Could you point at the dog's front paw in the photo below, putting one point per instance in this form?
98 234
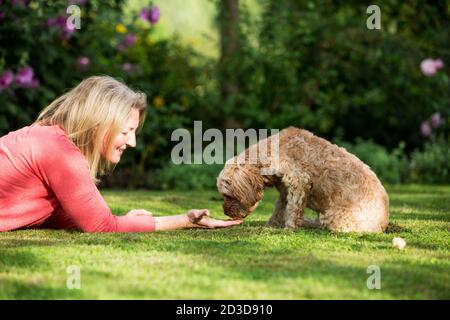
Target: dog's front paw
310 223
291 226
273 223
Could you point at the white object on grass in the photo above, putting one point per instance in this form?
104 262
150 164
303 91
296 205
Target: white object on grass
398 243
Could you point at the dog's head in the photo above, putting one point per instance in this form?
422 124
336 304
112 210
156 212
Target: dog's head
242 188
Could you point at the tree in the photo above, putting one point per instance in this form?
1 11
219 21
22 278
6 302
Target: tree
229 55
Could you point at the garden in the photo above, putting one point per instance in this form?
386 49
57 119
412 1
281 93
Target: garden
380 90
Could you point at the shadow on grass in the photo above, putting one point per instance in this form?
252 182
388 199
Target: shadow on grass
34 287
430 203
396 228
435 217
413 190
19 290
15 259
392 227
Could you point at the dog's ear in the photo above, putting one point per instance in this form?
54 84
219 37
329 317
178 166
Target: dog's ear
247 184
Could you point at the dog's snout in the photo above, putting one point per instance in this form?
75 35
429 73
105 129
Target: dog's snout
231 208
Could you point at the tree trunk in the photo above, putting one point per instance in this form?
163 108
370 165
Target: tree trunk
229 54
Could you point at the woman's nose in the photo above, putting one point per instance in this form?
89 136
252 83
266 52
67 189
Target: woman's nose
132 141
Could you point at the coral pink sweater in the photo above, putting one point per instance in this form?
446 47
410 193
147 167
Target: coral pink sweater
45 183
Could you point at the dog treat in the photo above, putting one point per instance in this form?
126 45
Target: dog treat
398 243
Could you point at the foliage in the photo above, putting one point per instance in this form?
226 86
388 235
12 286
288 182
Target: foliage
431 165
35 39
188 176
310 64
390 167
314 64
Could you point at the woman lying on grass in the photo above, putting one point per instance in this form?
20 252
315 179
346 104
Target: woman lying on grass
49 170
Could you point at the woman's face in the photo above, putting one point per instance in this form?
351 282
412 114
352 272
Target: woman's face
125 139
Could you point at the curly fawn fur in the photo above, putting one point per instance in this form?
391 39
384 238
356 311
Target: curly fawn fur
309 172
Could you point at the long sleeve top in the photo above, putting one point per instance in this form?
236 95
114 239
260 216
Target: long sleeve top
45 183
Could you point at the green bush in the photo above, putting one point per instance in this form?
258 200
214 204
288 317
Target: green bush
314 64
188 176
310 64
391 167
40 60
432 164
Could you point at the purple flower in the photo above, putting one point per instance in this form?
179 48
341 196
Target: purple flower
2 15
154 15
129 40
82 63
127 67
67 29
425 129
59 22
151 15
6 78
429 66
438 63
24 77
144 14
51 22
34 84
436 120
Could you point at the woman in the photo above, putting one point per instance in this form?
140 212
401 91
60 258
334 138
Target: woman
49 170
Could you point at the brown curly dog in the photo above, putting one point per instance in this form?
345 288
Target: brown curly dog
309 172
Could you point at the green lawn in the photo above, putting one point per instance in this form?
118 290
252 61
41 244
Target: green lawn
245 262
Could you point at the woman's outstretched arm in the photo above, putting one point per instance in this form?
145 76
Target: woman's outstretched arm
192 219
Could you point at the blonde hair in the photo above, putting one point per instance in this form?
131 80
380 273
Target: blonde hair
92 114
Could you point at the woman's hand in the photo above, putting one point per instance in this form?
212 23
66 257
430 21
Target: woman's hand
200 218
